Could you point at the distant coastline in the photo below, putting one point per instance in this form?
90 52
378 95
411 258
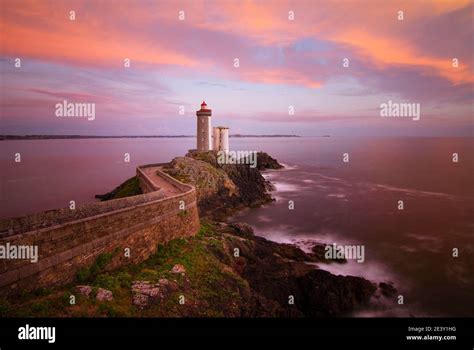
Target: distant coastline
49 137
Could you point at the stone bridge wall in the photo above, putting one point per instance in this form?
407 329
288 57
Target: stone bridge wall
69 240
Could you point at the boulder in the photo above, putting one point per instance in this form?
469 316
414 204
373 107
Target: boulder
277 271
319 253
178 268
265 161
144 293
84 290
387 289
221 188
104 295
321 294
242 229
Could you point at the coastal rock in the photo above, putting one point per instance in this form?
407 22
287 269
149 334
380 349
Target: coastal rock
256 282
323 294
265 161
141 301
213 186
144 293
167 285
319 253
130 187
104 295
243 229
251 184
223 188
292 252
277 271
178 268
84 290
387 289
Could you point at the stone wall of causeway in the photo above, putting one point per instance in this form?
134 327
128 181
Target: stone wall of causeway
69 240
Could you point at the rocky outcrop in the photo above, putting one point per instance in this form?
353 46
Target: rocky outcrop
178 268
387 289
319 251
215 190
265 162
100 294
130 187
104 295
84 290
223 188
226 270
279 274
145 293
282 279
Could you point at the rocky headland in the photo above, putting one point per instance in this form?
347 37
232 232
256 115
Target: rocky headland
226 270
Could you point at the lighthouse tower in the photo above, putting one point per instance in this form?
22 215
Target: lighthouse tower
204 142
221 138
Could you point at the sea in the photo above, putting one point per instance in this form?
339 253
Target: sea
408 201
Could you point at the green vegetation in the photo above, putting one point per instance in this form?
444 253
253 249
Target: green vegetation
207 229
130 187
184 178
114 281
208 157
208 285
87 273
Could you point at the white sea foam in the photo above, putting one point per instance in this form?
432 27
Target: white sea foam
263 218
337 195
287 167
426 242
414 192
330 178
286 187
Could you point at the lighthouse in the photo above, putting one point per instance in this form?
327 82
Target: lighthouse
221 138
204 142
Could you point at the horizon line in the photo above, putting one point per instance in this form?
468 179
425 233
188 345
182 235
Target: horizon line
63 136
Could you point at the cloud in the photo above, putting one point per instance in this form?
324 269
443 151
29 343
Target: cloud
411 59
72 95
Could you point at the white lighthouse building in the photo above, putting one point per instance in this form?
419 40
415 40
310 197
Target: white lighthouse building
221 138
204 142
208 139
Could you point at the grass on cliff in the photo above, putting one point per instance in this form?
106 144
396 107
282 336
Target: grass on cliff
184 178
208 157
130 187
210 288
88 273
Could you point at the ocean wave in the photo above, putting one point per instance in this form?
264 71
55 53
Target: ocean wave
286 187
412 191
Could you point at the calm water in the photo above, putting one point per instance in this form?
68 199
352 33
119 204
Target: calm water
345 203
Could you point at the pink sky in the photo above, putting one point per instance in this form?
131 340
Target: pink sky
283 63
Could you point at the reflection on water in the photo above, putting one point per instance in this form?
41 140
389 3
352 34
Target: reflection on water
356 203
335 202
